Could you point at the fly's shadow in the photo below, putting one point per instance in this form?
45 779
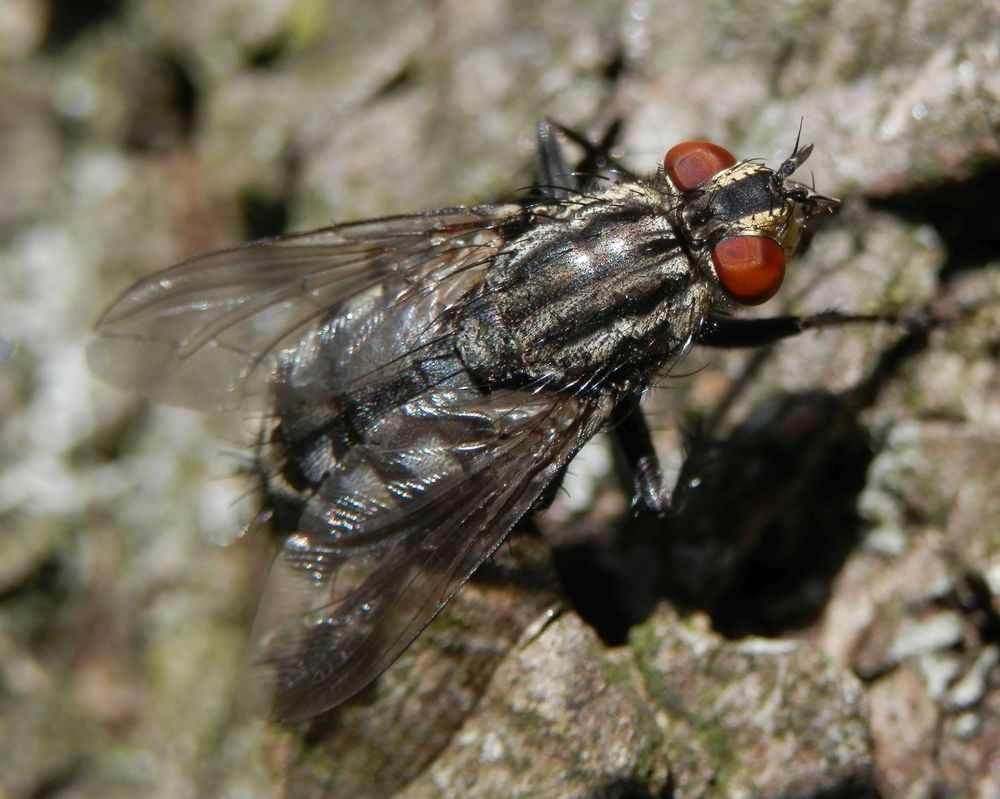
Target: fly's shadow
762 519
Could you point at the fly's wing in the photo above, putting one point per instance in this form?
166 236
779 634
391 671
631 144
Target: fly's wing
208 332
398 527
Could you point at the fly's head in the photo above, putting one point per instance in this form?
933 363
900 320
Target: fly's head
745 217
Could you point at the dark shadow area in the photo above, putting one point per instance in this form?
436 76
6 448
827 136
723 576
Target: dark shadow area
68 19
763 519
965 214
113 440
264 214
68 779
627 788
613 583
163 103
616 66
762 522
265 211
406 77
44 581
973 598
766 517
267 53
849 789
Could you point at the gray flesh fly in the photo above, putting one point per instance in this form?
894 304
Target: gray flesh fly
426 377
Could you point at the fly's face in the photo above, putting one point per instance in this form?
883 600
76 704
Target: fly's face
744 216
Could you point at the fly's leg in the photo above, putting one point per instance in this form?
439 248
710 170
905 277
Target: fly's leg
630 429
557 179
597 155
720 331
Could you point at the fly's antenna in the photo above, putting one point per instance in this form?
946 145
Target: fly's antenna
798 156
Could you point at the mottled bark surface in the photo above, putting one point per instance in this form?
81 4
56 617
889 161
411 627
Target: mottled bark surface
820 617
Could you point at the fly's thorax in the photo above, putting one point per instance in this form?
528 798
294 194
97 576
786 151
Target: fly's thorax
600 289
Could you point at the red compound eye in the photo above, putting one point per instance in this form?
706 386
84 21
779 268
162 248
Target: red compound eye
692 162
750 268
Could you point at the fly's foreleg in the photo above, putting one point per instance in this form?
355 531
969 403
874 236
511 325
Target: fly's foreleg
721 331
